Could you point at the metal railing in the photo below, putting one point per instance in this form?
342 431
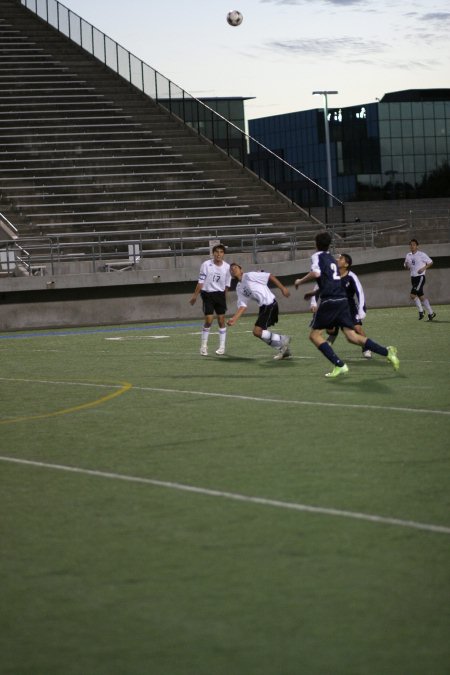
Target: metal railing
267 165
102 251
124 249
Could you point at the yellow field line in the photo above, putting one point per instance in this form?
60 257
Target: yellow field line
125 386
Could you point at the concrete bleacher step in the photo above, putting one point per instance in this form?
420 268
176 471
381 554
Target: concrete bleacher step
81 148
115 217
127 205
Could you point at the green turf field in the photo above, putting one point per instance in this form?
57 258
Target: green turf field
169 514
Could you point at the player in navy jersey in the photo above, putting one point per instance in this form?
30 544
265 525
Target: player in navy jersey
417 262
214 281
356 300
334 309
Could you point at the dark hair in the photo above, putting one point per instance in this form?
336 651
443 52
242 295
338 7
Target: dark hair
323 241
415 241
220 247
233 264
348 259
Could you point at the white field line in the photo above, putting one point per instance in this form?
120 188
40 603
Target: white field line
138 337
295 401
240 397
293 506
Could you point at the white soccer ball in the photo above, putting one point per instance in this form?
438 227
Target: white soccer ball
234 18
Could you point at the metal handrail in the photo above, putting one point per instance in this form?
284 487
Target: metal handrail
8 223
103 247
288 180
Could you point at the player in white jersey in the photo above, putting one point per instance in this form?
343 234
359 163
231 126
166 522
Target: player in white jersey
417 262
254 286
214 280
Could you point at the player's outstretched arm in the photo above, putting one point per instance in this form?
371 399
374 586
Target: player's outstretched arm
311 276
279 285
236 316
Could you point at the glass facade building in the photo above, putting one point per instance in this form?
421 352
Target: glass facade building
395 148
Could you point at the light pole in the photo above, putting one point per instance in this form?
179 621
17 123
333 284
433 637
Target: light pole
327 142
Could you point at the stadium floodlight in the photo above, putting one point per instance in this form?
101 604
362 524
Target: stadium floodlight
325 94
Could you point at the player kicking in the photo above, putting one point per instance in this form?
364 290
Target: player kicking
355 297
334 309
254 286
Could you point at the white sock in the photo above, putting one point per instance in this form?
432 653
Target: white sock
222 336
427 306
271 339
205 336
418 304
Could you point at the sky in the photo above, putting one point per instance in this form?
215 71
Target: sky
284 49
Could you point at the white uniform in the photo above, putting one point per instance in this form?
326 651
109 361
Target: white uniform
214 277
253 286
360 300
415 261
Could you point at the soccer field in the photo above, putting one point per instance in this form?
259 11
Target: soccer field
169 514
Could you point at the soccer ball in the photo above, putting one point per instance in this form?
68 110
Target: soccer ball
234 18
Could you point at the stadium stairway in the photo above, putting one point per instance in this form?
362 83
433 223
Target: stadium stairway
82 150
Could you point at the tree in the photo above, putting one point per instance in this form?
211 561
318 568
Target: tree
436 183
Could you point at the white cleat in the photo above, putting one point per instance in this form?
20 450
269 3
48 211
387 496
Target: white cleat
283 351
220 351
204 350
367 354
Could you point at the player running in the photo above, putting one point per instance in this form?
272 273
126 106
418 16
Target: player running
334 309
417 262
254 286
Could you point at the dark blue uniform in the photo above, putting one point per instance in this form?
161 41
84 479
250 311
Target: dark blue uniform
333 309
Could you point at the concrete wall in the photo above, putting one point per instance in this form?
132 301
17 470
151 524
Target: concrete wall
141 296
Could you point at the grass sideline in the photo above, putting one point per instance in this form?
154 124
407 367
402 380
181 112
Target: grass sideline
106 574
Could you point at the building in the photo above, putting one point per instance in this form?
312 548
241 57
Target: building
395 148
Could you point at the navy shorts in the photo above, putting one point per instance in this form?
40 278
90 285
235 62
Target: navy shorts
332 313
268 315
214 302
417 285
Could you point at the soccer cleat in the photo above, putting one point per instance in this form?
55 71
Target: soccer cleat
284 349
421 315
204 350
367 354
338 370
220 351
393 358
431 316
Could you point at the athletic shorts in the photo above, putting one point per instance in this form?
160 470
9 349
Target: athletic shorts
417 285
354 312
268 315
332 313
214 302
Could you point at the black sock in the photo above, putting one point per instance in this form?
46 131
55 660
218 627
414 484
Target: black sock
375 347
328 352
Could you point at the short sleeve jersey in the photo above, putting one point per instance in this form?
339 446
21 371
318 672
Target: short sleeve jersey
253 286
415 261
214 277
329 279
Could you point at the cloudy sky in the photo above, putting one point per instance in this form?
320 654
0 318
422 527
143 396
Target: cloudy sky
284 49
